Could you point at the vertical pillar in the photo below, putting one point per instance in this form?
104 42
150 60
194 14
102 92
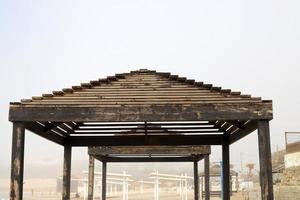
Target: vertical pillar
67 172
196 180
266 180
206 174
91 178
17 161
226 170
104 180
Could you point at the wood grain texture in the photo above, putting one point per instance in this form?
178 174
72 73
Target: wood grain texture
17 161
138 95
149 150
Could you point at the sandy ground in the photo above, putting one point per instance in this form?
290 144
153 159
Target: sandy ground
132 196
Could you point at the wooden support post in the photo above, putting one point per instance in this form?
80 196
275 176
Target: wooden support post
266 180
226 171
67 172
91 178
104 165
207 177
196 180
17 161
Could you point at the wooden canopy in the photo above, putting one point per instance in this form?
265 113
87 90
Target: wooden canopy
142 108
141 100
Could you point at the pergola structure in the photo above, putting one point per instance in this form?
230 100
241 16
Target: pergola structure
148 154
201 115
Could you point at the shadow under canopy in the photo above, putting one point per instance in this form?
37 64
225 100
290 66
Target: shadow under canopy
157 108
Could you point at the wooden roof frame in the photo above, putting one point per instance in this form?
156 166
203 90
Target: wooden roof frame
57 116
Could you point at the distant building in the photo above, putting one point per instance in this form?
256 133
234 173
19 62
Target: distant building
292 155
215 180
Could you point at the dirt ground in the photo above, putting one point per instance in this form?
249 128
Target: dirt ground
132 196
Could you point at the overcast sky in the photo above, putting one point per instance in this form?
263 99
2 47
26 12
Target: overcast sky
248 46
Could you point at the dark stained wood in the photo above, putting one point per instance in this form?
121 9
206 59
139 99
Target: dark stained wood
91 178
149 150
17 161
249 128
67 172
196 112
51 125
196 181
104 165
171 124
265 160
167 132
207 177
144 129
153 140
38 129
149 159
226 170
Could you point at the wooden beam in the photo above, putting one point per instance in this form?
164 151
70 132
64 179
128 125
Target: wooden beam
51 125
196 181
249 128
142 133
168 112
67 172
139 140
91 178
104 165
148 123
17 161
238 124
207 177
265 160
149 150
148 159
38 129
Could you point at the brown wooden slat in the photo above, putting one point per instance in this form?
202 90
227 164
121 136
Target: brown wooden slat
148 131
153 150
39 130
249 128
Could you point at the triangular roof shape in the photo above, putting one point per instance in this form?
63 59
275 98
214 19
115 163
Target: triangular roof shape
143 96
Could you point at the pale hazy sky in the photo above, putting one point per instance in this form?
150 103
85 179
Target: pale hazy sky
249 46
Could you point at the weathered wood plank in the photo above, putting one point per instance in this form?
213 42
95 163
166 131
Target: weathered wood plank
39 130
17 161
104 165
147 159
172 112
249 128
207 177
167 124
150 150
196 181
166 132
91 178
149 128
226 170
265 160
